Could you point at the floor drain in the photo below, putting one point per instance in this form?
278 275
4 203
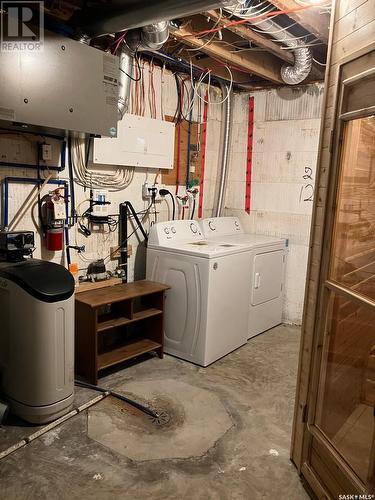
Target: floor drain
162 419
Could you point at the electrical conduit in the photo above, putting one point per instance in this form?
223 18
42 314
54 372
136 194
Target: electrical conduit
226 137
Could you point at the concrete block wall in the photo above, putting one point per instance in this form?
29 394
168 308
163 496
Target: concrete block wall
285 150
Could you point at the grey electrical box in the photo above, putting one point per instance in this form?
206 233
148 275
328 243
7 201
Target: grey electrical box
68 86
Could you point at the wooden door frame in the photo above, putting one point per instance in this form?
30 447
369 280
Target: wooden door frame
309 431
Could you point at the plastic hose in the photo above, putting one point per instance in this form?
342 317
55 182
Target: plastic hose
137 405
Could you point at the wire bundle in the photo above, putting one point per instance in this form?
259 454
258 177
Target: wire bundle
116 181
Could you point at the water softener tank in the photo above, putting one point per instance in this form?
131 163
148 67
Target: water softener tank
36 339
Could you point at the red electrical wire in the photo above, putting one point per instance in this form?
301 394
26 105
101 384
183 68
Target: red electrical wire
118 43
153 93
244 21
142 89
249 161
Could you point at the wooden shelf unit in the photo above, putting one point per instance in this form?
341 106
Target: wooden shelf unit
116 324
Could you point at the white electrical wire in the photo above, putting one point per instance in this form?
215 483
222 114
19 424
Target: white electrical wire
212 37
276 31
116 181
326 4
318 62
197 86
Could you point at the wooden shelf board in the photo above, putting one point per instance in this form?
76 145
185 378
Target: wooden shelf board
116 322
130 350
89 287
120 293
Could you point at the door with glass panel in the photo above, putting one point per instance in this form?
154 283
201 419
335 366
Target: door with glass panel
340 431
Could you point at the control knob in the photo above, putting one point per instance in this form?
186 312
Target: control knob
193 228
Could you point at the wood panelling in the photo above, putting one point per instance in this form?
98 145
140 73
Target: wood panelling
346 7
169 177
353 41
351 32
361 16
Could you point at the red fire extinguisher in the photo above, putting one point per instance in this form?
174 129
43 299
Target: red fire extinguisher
53 220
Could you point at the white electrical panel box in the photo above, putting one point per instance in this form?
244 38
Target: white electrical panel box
140 142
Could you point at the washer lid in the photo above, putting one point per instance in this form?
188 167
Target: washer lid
250 240
43 280
207 249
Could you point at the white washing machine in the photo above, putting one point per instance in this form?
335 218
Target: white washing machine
267 269
206 310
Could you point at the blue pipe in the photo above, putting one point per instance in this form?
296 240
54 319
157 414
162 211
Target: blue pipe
22 180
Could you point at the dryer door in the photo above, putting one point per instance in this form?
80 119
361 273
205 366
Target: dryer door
268 274
186 301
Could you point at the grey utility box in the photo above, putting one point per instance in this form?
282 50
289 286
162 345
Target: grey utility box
67 86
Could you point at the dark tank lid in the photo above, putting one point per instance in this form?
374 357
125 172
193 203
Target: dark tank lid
46 281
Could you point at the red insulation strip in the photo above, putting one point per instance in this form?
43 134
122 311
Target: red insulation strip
203 157
178 156
249 163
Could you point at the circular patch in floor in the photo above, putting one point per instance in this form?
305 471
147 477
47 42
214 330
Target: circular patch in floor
193 420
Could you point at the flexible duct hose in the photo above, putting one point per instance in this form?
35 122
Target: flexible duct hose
291 74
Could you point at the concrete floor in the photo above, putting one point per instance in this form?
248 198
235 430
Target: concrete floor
227 437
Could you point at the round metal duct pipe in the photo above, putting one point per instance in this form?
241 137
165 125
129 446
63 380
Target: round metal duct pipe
291 74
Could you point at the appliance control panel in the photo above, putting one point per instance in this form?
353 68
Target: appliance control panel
175 230
221 226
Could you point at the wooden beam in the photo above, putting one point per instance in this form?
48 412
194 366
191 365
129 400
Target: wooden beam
252 36
264 65
311 19
219 71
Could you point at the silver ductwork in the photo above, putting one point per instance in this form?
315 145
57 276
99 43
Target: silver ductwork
151 37
125 79
154 36
299 71
303 59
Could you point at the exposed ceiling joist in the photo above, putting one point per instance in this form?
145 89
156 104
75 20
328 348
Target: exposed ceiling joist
264 65
242 80
312 19
252 36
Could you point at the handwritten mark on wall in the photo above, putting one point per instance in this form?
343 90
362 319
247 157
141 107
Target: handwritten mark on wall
307 188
